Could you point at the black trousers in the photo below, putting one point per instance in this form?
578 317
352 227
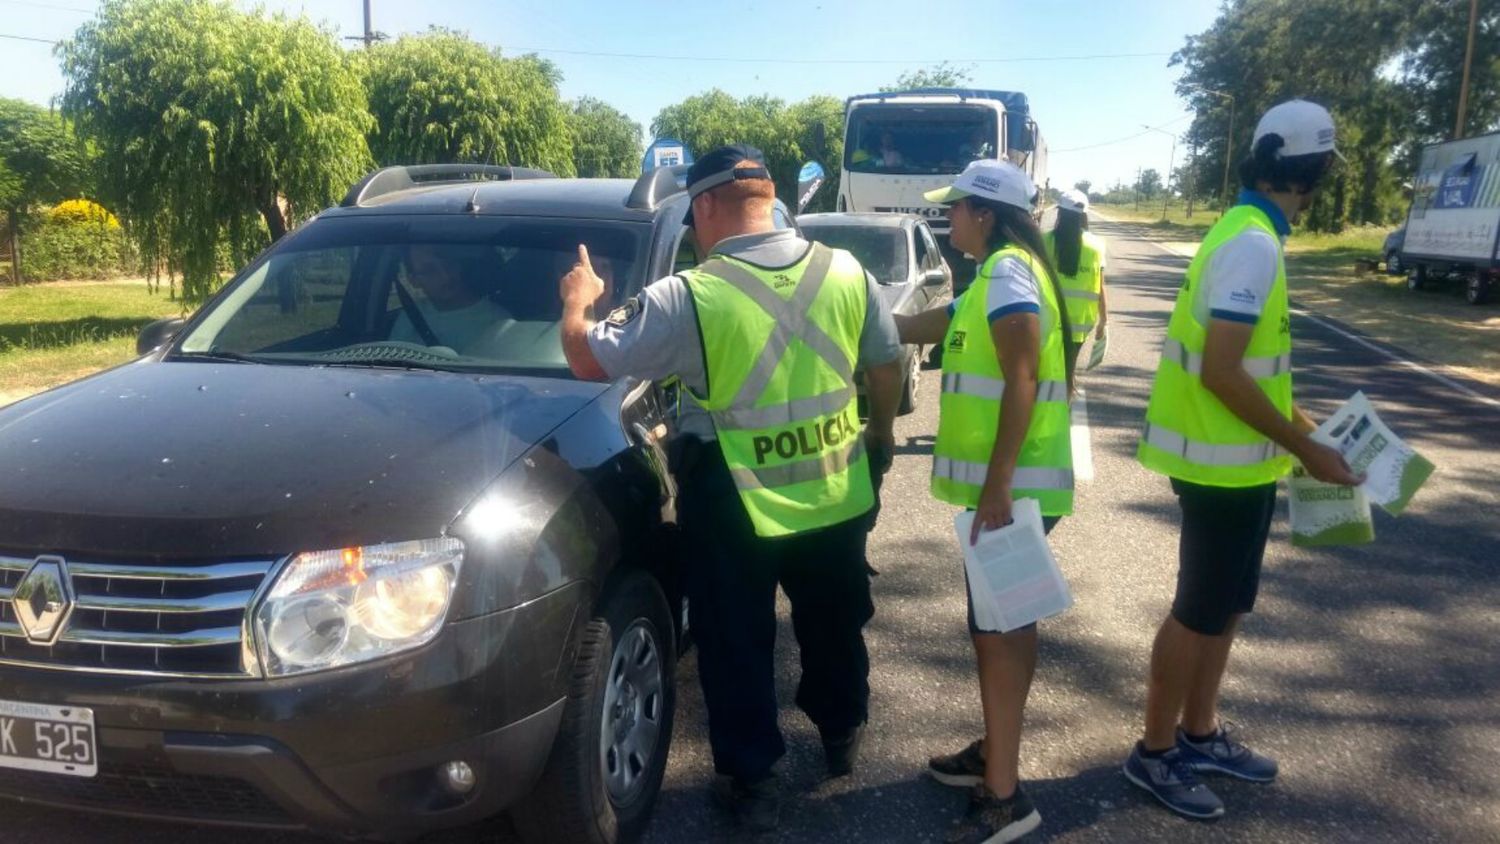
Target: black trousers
732 576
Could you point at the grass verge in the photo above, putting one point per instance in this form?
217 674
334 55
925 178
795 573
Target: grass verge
52 333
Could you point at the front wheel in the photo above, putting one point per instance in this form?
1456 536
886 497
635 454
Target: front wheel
911 383
606 768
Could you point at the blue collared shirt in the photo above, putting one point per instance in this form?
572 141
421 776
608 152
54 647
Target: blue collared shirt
1269 208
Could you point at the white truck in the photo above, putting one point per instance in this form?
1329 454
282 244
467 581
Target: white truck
1453 227
900 144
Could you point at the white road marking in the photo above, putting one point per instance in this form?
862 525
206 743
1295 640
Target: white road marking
1385 353
1083 449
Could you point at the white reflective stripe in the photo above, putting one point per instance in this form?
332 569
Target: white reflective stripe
1026 477
1081 327
1259 367
812 469
985 387
794 411
1208 454
1069 293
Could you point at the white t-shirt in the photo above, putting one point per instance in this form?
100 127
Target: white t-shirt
457 329
1012 289
1239 277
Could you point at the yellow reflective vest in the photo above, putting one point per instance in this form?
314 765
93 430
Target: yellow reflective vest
780 346
1082 289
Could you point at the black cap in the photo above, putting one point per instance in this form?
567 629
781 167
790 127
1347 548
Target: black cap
720 167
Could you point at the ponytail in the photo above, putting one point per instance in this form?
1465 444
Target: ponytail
1067 235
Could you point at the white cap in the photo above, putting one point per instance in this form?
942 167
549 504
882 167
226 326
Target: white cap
988 178
1073 200
1306 128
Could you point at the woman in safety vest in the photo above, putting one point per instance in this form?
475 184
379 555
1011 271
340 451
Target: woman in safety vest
1003 433
1078 257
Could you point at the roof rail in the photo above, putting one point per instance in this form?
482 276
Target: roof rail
651 188
391 179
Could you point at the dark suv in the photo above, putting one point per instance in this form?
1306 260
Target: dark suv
350 549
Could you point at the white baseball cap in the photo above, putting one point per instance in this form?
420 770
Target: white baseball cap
988 178
1306 128
1073 200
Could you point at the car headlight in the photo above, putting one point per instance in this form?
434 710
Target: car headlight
333 608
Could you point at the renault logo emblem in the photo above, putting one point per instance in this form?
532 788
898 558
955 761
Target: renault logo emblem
43 600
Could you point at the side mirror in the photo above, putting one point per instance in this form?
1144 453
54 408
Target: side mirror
808 181
934 278
157 333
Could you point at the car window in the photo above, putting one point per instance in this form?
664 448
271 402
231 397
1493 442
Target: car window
923 252
435 292
881 249
934 255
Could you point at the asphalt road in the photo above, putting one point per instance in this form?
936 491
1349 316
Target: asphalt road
1370 673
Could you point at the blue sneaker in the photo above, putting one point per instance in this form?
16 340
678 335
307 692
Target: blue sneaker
1221 754
1171 780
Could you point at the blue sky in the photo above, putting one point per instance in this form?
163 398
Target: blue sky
789 50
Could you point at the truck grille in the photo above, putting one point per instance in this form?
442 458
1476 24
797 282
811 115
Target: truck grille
142 619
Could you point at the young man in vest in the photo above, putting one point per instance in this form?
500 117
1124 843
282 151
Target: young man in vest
1222 425
765 335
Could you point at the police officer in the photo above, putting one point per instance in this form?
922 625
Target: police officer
1223 427
1078 256
766 335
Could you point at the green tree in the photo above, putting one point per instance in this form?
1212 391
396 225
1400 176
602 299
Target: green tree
606 142
1149 183
1432 69
1083 185
787 135
211 122
941 75
442 97
39 162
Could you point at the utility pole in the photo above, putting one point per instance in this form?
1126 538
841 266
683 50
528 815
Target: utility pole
370 36
1171 159
1463 88
1192 181
1228 140
1137 189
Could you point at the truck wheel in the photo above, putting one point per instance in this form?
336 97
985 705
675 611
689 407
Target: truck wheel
605 771
911 383
1393 263
1477 290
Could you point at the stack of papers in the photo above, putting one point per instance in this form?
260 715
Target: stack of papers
1394 470
1013 577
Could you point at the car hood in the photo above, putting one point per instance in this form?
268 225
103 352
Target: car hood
176 459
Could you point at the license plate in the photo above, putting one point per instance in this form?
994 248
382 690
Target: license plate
54 739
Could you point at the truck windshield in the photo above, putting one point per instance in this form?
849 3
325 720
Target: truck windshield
476 294
918 139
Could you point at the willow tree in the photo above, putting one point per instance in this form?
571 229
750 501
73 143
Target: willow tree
211 122
441 97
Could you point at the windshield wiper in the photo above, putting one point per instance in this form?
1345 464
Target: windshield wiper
386 363
219 356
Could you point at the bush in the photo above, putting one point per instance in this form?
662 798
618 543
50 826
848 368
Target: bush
75 244
81 211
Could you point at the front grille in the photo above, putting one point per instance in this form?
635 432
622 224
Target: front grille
153 619
149 789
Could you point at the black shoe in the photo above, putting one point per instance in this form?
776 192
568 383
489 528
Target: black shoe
756 806
842 751
991 820
964 769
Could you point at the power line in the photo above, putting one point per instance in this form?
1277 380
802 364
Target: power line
52 6
783 60
1121 140
27 38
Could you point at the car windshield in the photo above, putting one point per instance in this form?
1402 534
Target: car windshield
881 249
436 292
910 139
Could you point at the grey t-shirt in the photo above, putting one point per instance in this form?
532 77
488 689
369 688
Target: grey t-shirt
656 334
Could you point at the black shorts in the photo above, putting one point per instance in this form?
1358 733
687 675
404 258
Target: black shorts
1048 523
1224 531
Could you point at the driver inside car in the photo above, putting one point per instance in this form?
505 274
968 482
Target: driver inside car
451 308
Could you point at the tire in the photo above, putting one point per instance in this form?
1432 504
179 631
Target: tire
1416 279
1393 263
591 792
1477 289
911 384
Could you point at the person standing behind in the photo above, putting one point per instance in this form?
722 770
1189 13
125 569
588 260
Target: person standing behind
766 335
1079 258
1003 433
1222 426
